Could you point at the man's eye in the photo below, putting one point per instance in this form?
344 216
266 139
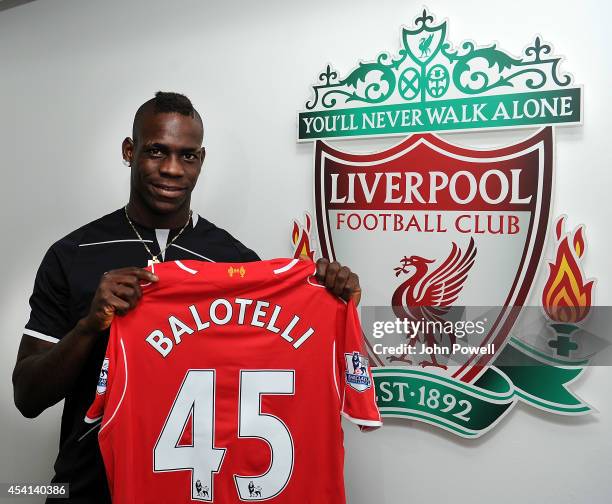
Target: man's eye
155 152
190 157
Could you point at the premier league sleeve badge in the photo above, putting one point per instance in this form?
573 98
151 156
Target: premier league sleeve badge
357 375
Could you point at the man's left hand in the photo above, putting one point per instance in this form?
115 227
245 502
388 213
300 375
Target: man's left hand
339 279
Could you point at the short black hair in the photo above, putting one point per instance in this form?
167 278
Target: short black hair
166 102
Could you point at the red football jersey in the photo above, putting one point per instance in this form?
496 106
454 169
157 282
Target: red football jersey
227 383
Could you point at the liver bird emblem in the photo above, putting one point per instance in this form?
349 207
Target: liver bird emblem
424 45
428 295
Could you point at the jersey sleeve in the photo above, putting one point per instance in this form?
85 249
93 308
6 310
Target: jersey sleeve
50 300
112 379
357 394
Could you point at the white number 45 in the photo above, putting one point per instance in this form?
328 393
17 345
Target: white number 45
196 397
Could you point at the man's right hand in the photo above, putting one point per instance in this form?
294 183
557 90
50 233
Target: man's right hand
58 365
118 292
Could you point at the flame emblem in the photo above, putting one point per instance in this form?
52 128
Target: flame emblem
300 238
567 295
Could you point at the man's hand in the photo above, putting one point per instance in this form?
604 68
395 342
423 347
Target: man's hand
117 293
58 365
339 279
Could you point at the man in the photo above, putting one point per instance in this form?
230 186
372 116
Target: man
94 273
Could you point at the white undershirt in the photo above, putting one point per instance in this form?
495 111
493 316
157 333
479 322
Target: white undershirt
162 238
162 235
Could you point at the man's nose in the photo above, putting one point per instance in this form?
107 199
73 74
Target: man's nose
172 166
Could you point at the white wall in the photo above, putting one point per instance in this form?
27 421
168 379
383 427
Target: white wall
73 73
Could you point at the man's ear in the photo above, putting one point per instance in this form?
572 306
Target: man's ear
127 150
202 155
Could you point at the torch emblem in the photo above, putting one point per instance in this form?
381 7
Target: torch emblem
566 298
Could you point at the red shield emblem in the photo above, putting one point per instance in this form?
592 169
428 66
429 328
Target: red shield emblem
430 225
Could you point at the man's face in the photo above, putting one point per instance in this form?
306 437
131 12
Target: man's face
166 158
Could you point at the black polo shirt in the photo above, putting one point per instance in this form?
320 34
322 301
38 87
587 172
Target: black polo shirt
63 290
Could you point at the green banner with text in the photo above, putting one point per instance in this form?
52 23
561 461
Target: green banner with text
559 106
470 410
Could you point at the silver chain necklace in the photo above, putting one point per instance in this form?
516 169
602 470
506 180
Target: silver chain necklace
154 258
